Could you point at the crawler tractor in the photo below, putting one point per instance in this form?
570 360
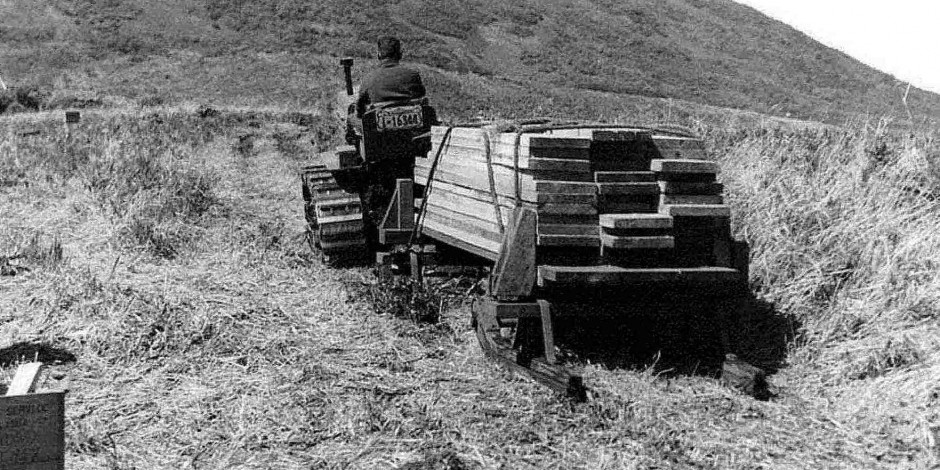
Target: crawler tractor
573 220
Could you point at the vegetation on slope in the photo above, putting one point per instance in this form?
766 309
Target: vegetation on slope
718 53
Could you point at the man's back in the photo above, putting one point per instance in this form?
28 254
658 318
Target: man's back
391 81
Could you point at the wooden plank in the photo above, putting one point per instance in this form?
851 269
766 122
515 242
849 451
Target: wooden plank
515 271
567 219
689 199
479 246
565 187
469 209
615 275
474 178
552 141
636 221
620 135
570 176
552 198
25 379
394 236
485 226
638 243
548 335
559 165
612 134
567 229
476 195
696 210
547 152
683 166
470 143
627 207
687 177
682 187
627 188
567 209
624 176
506 311
569 240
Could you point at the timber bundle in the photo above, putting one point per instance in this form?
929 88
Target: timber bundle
625 197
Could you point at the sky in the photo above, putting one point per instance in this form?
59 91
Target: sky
900 37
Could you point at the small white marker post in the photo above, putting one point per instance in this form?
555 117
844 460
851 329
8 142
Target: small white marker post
32 425
72 118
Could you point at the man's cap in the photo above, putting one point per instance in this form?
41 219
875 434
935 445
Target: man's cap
389 48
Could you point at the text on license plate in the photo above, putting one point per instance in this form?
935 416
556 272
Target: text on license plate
400 118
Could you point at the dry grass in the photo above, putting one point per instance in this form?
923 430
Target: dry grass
242 351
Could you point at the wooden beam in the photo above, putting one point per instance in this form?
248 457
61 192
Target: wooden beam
627 189
636 221
615 275
515 272
548 336
662 242
669 199
25 379
696 210
668 165
624 176
679 187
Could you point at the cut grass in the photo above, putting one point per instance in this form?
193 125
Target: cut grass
243 352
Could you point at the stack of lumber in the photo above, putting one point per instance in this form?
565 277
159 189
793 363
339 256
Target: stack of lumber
601 191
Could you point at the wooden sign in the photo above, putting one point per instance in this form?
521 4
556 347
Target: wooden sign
32 432
72 117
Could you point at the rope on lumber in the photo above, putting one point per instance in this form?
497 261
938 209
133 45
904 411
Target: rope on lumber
492 178
515 165
427 188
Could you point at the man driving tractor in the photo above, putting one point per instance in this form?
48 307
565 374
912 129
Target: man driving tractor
388 136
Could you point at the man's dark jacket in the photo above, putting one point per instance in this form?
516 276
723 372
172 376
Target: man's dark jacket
391 81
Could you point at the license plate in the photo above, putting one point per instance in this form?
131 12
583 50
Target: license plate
403 118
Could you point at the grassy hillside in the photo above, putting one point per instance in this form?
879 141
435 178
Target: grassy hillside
717 53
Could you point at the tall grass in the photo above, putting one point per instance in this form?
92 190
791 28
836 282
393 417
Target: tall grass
843 228
144 176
